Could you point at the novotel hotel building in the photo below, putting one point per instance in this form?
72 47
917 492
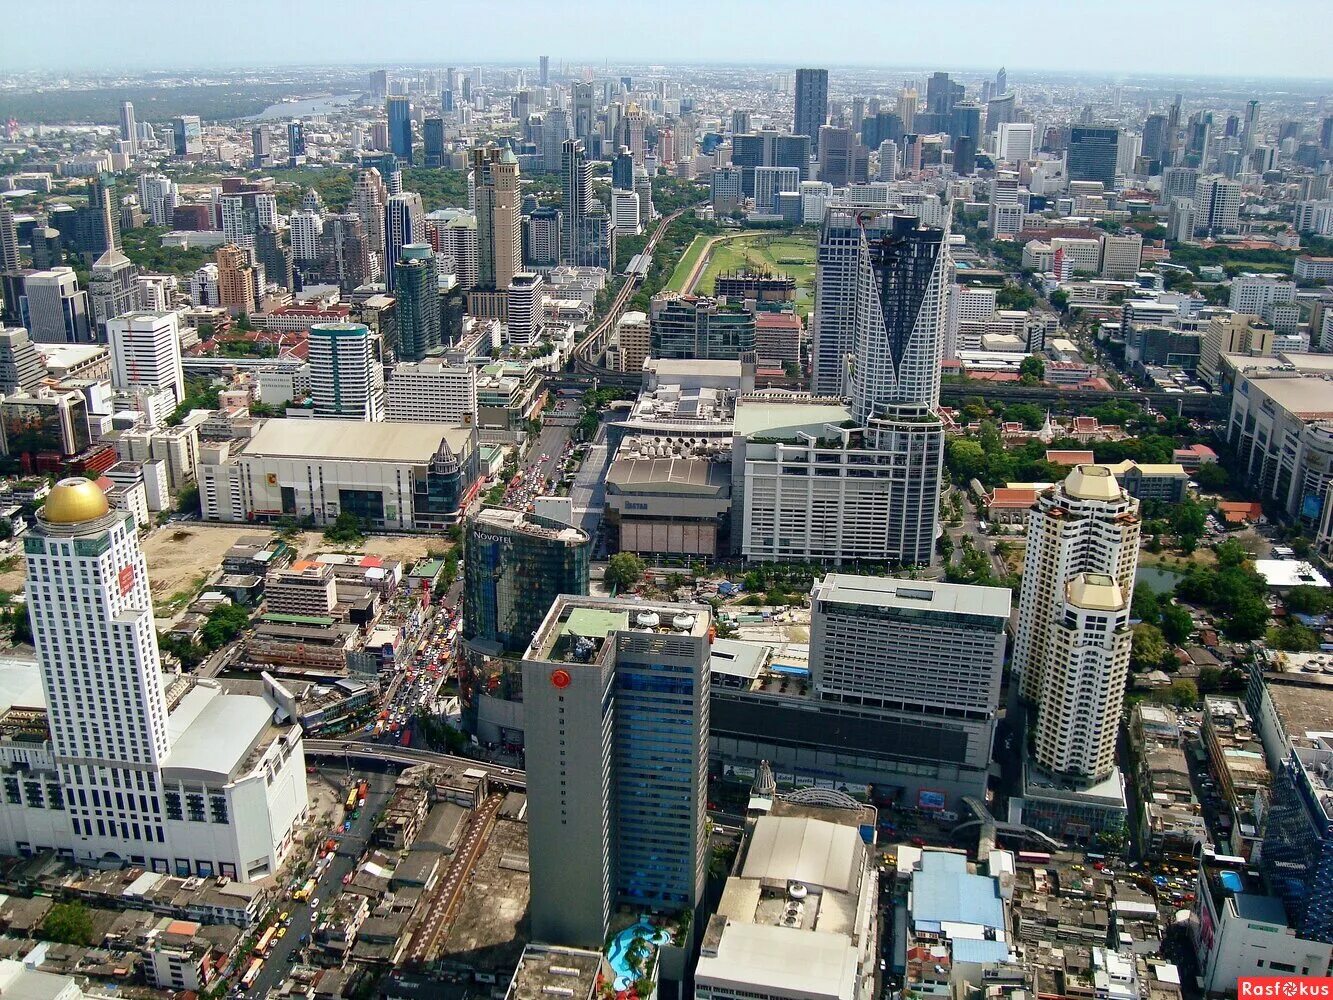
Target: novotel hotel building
615 696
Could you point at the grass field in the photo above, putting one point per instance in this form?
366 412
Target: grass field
686 264
781 253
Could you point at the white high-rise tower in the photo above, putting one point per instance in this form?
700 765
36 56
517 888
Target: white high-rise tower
146 352
1078 581
141 767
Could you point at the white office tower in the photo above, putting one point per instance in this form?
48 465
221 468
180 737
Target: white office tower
888 160
146 353
625 213
141 768
1216 205
1086 524
346 376
527 299
158 197
1017 142
616 697
769 182
129 130
306 229
1180 218
1005 215
204 286
1083 683
432 391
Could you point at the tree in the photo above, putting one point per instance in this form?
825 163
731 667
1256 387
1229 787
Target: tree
1293 638
1176 623
225 623
68 923
1032 369
1060 299
1308 601
1189 517
1182 693
345 529
623 571
1210 680
966 459
1212 476
1148 649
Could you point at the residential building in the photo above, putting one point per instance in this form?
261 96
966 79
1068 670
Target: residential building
516 565
235 280
631 342
1251 294
145 353
499 226
346 373
21 367
576 177
404 225
616 700
417 288
111 288
527 299
1216 205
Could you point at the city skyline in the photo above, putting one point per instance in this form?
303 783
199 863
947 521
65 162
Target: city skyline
979 36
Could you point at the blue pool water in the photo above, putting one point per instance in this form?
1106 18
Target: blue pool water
1231 880
620 944
787 668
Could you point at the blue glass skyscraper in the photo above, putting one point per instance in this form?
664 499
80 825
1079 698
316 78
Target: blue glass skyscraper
400 126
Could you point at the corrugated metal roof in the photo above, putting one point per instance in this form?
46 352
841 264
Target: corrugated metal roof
812 851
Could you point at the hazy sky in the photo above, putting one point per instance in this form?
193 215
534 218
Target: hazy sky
1242 38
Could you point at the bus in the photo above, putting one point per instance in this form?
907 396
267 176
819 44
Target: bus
1033 858
252 973
304 892
265 941
407 738
351 799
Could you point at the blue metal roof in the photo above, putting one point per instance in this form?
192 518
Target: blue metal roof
944 892
983 952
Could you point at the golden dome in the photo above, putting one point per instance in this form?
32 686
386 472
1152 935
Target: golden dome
73 501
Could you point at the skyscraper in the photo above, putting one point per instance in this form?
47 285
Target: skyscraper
129 128
1154 138
399 109
616 706
1251 134
1217 204
379 83
274 255
432 133
1001 82
110 288
236 279
417 289
576 177
1092 154
544 71
295 143
515 567
499 219
585 110
9 239
346 374
811 108
146 353
404 223
261 147
201 784
1086 525
21 367
189 137
57 307
527 300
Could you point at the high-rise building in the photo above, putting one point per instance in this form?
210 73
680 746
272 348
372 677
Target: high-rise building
110 289
404 223
842 160
417 289
1251 134
542 230
726 187
515 567
527 300
499 219
432 133
129 128
305 228
191 780
146 353
1092 154
585 110
544 71
431 390
399 109
811 105
1180 220
189 137
1017 142
158 197
692 326
369 198
346 375
261 147
1154 138
1297 855
245 212
576 179
98 225
616 705
295 143
236 279
1216 205
625 212
1001 82
1086 525
379 83
275 257
57 309
21 367
9 239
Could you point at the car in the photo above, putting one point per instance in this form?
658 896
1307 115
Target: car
314 903
285 916
282 932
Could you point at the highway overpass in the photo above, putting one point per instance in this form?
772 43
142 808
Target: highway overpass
388 753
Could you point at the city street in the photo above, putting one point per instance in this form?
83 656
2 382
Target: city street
350 847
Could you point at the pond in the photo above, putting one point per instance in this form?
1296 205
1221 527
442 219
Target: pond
1155 578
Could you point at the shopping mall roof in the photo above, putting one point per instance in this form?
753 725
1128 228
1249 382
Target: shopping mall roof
354 440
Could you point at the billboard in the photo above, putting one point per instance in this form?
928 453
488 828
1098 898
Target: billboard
930 798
